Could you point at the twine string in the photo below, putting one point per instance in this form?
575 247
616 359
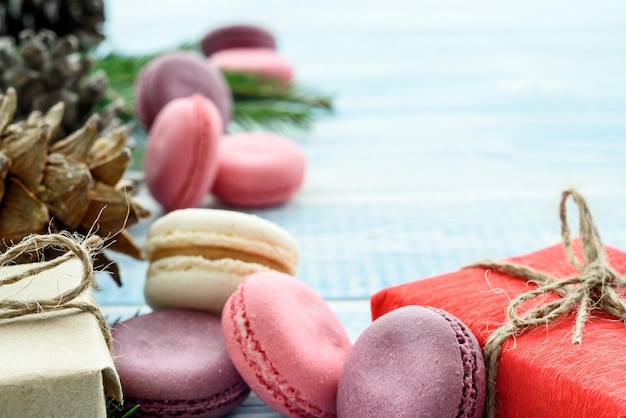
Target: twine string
595 287
83 250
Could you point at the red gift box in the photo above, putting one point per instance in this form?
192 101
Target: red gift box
541 372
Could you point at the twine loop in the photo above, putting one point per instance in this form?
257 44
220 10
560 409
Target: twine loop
595 287
82 249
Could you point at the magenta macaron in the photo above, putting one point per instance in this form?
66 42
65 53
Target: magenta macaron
286 343
237 36
173 363
413 362
258 169
182 151
179 74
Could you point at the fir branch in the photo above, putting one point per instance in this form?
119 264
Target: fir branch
276 116
248 87
122 71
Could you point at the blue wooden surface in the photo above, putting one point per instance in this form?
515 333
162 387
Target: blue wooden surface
457 126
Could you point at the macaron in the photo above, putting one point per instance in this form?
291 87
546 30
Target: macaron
258 169
237 36
179 74
181 158
286 343
198 257
175 364
264 63
413 362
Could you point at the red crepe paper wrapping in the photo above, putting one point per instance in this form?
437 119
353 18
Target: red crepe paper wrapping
541 373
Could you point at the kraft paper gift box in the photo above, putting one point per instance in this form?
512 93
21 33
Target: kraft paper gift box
541 373
53 364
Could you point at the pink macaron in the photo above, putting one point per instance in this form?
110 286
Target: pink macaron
258 169
179 74
182 152
286 343
237 36
264 63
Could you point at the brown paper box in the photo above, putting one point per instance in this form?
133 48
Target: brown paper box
53 364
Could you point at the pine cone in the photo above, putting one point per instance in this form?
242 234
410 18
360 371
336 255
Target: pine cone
81 18
45 69
74 184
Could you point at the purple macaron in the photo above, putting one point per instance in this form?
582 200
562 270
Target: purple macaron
173 363
179 74
237 36
413 361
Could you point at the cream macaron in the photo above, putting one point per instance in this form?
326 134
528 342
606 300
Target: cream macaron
198 257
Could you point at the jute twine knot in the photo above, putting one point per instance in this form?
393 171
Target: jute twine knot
82 249
595 287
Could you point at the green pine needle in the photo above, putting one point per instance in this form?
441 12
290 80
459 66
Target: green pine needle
115 410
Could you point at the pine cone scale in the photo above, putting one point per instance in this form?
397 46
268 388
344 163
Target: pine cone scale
73 184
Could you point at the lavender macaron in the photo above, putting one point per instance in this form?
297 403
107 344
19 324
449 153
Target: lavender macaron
175 75
174 363
413 362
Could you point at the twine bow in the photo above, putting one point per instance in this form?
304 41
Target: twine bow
595 287
66 300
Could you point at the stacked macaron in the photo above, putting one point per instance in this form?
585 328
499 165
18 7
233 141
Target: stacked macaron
230 316
247 49
185 104
275 335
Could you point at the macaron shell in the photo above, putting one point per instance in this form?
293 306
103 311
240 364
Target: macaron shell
237 36
286 343
406 363
193 282
262 62
258 169
182 152
179 74
231 230
174 363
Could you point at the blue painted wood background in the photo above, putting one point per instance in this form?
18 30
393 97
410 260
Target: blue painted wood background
457 126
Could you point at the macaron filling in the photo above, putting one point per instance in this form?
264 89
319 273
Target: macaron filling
469 360
217 253
268 376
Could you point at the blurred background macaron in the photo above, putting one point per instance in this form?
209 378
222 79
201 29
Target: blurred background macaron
179 74
181 157
264 63
198 257
258 169
237 36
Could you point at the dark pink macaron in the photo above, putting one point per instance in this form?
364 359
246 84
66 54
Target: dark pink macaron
413 362
286 343
258 169
179 74
237 36
173 363
181 158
